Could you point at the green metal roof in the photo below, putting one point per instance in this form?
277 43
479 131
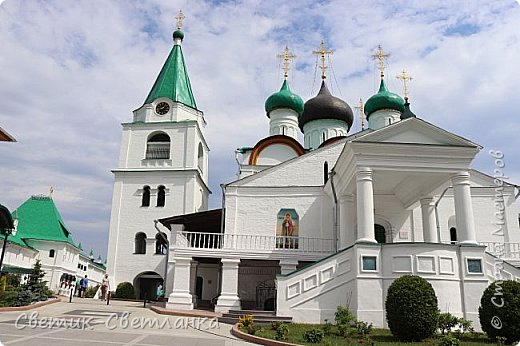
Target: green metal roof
16 270
284 98
384 99
173 81
39 219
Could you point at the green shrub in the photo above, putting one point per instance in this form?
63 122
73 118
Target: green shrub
125 290
327 327
313 336
343 315
281 331
448 340
91 291
8 298
343 329
246 324
363 328
447 322
411 308
499 310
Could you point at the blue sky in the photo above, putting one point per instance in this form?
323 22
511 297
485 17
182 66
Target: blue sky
71 72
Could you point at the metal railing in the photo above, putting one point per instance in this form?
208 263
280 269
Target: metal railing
503 250
251 242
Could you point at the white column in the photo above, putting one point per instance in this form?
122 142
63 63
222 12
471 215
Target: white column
180 298
287 266
365 206
228 299
428 220
347 221
464 208
193 281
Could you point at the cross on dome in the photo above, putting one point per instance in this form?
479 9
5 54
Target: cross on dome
405 78
322 53
380 56
287 57
180 17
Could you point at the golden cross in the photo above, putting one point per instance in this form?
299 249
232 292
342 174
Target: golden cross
287 57
180 17
322 53
381 56
51 190
361 108
405 77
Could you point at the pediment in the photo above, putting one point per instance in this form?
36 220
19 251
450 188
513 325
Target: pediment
415 131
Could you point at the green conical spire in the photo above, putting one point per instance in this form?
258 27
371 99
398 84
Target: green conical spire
173 81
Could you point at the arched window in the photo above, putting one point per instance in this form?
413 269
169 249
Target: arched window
200 156
325 172
161 195
140 243
323 137
380 234
146 196
52 253
158 146
453 235
161 244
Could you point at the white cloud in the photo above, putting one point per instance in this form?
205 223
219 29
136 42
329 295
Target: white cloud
71 72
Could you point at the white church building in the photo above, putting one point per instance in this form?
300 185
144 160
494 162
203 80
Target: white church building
306 228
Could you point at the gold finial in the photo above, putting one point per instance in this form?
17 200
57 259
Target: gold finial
361 108
180 17
322 53
51 190
381 56
405 77
287 57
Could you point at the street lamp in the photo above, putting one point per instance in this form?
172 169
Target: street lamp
7 228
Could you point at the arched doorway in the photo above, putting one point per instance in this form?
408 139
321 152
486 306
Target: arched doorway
145 285
380 233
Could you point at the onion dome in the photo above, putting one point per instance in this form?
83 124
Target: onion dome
326 106
178 34
407 111
384 99
284 98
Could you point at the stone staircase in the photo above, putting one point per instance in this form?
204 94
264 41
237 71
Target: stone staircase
259 316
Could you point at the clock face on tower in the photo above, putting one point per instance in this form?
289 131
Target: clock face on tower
162 108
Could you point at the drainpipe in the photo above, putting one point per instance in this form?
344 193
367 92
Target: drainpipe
223 188
335 226
155 222
437 213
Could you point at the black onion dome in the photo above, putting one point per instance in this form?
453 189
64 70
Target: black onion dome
407 111
326 106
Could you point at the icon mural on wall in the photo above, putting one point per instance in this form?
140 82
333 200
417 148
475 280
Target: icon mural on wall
287 229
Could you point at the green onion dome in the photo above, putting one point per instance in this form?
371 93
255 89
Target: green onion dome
326 106
384 99
178 34
284 98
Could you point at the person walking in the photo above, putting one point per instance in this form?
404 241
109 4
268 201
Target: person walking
105 287
84 285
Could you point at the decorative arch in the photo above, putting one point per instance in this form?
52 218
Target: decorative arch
276 139
161 244
161 196
200 157
386 225
146 283
158 146
145 201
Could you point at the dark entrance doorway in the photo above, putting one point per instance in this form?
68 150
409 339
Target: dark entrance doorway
145 285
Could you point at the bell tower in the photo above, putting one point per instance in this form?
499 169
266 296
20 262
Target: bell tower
162 171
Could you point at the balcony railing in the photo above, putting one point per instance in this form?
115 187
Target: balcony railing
503 250
251 242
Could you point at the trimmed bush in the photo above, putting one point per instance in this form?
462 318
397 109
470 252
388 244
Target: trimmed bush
411 308
499 311
125 290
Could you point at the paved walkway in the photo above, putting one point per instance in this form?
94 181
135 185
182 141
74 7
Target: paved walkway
89 322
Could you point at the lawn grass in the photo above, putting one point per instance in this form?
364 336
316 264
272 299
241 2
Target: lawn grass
378 337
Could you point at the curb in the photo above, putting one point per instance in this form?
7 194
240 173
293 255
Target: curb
258 340
185 313
29 307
